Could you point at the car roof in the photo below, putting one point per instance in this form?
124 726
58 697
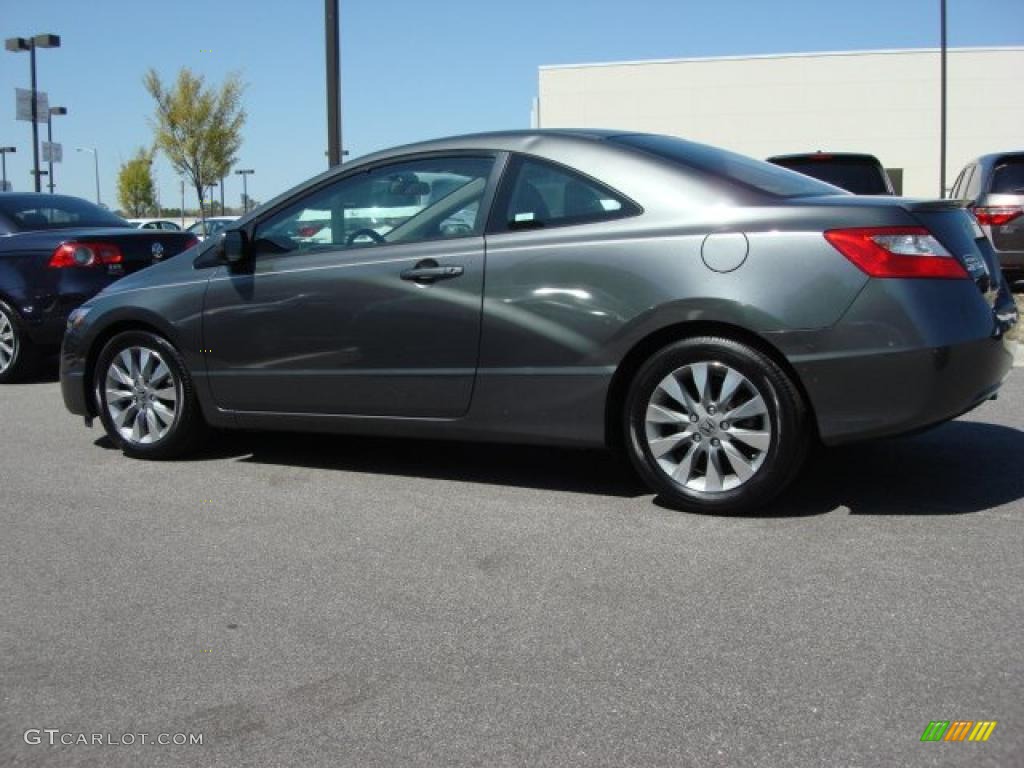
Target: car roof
993 158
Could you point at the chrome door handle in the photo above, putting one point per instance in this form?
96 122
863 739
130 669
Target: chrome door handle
431 273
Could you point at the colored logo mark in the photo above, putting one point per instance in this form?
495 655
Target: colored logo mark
959 730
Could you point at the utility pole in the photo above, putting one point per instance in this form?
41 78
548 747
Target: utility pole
332 24
244 173
3 164
182 203
221 195
942 108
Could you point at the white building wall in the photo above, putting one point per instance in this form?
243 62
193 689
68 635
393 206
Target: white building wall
882 102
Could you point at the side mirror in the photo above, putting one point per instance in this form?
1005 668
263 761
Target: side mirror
234 246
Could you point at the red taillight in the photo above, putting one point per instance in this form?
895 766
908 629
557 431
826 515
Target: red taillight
191 242
896 252
310 229
997 215
85 254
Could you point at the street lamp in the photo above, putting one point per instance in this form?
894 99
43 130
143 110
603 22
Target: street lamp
49 138
16 45
244 173
3 163
96 161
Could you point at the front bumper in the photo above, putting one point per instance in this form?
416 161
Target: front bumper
73 383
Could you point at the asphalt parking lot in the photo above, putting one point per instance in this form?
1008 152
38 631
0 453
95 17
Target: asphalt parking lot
339 601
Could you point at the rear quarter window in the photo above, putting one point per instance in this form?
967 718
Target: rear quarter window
1008 178
731 167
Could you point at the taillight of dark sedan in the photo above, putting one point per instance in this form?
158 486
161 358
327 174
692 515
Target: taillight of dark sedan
711 314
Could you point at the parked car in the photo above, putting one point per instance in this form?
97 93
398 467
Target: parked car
56 252
202 229
994 186
164 224
712 314
855 172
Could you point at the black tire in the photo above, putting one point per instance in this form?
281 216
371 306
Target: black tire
783 419
183 430
23 358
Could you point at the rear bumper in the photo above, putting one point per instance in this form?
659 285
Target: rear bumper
879 394
907 355
1013 260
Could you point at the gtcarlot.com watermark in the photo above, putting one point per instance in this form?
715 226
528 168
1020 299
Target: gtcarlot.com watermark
56 737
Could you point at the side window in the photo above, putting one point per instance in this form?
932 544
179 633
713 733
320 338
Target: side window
541 194
403 202
954 192
973 184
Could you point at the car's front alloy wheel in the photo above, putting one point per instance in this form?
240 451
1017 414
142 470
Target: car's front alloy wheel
142 395
145 396
714 425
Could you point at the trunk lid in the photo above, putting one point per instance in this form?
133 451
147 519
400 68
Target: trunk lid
956 229
140 248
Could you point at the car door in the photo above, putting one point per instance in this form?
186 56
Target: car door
363 296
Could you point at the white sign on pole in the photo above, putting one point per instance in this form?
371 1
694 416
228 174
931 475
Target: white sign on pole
52 152
23 102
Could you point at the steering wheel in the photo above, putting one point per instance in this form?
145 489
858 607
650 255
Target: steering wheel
370 233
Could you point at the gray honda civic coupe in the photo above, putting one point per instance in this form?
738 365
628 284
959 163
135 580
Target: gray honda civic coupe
710 315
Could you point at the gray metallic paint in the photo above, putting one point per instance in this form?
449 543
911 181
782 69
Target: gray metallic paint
555 312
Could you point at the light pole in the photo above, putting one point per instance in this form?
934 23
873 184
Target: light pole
942 108
332 25
49 139
16 45
96 162
3 163
244 173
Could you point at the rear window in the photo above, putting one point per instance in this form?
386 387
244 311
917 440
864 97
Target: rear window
860 175
1008 178
742 170
33 212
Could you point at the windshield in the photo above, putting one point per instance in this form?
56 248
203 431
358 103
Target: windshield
739 169
860 175
35 212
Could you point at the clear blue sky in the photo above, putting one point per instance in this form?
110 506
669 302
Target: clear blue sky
410 69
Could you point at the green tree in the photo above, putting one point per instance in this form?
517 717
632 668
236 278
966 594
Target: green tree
199 128
135 188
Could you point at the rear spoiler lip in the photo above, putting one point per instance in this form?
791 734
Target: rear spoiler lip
937 205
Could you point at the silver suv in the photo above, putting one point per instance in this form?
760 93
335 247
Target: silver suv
995 186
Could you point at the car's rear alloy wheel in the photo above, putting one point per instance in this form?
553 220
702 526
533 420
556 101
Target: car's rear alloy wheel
715 426
145 396
17 354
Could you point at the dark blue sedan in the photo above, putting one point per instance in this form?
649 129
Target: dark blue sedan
55 253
